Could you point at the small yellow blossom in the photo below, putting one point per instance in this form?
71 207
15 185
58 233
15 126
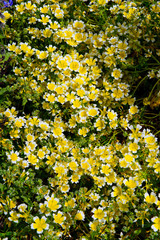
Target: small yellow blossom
39 224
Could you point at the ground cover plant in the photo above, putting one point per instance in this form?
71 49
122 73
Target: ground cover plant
79 120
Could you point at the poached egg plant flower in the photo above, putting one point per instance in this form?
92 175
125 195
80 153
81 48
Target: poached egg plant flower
39 224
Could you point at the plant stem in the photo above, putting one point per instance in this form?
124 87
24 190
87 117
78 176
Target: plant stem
153 89
139 84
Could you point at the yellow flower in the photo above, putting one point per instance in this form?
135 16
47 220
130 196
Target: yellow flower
51 159
54 25
131 183
22 207
133 147
14 216
30 146
32 20
44 19
122 55
10 203
34 121
112 115
83 131
32 159
73 166
102 2
74 65
8 113
47 33
65 188
14 156
42 55
150 139
123 163
72 42
81 92
111 178
117 73
156 225
2 20
39 224
19 122
58 132
51 86
152 198
14 133
99 213
30 137
157 167
78 37
44 126
68 33
122 45
30 6
128 157
59 13
76 103
113 124
51 98
128 100
75 178
24 47
59 218
20 8
44 9
158 204
93 225
96 70
51 48
61 99
7 15
117 94
43 209
85 165
80 216
78 24
60 170
111 50
72 122
117 191
62 63
52 204
70 203
105 169
91 61
70 97
133 109
92 111
40 153
29 51
135 132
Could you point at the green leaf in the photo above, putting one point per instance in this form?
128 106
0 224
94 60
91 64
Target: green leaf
6 89
1 36
7 56
1 187
7 234
24 101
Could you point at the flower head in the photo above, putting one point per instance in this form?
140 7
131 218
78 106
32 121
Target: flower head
156 225
39 224
80 215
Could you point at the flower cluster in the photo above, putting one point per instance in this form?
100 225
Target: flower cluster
77 160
